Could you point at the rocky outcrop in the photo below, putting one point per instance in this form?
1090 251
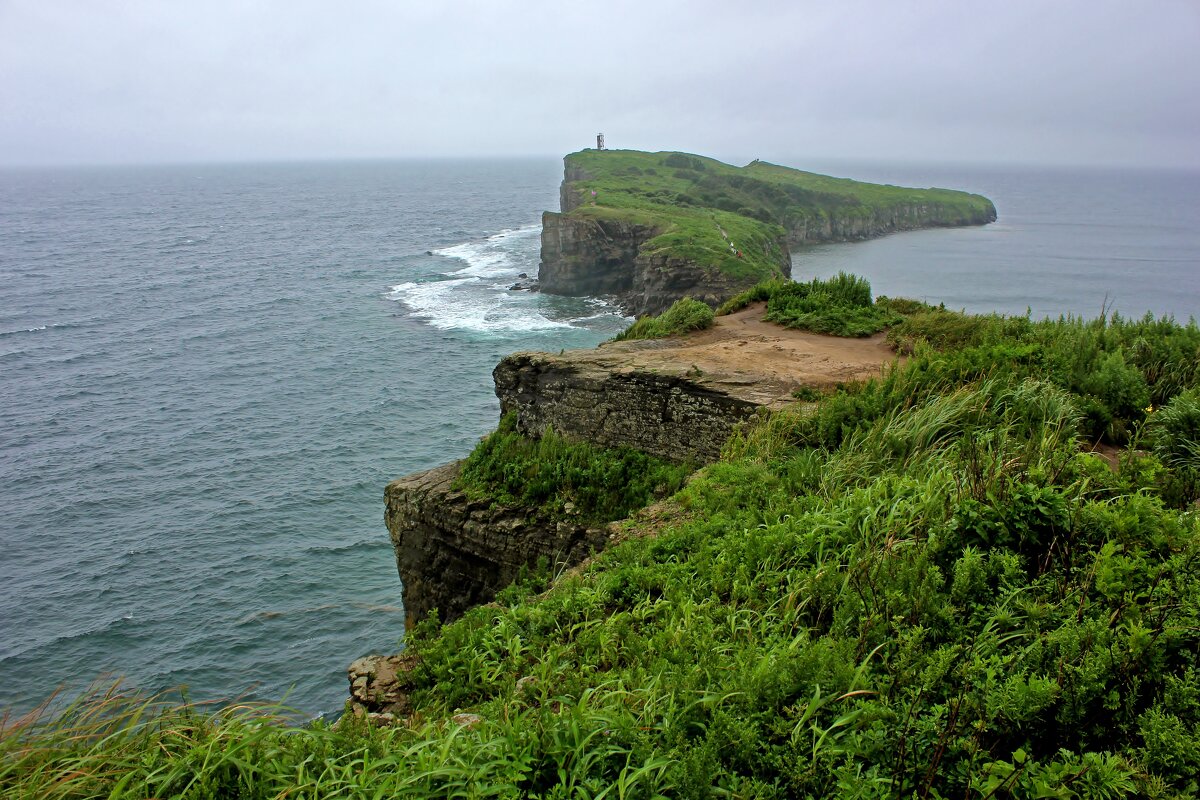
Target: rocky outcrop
641 234
595 257
585 256
454 553
380 686
602 399
679 399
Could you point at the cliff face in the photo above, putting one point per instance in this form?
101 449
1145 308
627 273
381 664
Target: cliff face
679 399
586 256
582 256
667 415
454 553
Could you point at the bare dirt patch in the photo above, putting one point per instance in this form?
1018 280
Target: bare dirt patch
746 356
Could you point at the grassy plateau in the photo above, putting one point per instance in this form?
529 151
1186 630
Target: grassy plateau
923 586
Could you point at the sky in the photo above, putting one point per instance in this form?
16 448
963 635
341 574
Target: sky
1018 81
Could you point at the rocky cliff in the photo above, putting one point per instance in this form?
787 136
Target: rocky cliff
594 257
848 226
679 399
454 552
603 398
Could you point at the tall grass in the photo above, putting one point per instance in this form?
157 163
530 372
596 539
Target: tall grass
839 306
552 474
684 315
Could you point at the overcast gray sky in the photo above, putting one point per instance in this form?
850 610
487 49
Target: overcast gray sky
1004 81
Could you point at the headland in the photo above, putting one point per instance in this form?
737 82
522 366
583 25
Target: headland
651 228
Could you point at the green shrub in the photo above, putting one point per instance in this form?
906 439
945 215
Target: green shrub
758 293
548 473
840 306
1175 438
683 316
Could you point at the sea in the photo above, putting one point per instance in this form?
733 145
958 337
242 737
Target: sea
208 374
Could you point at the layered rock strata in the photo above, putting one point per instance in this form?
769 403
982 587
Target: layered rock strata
851 227
602 398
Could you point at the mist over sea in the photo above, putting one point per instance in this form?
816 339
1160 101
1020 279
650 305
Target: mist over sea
209 373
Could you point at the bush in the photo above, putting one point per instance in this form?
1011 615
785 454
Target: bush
758 293
1175 438
683 316
547 473
840 306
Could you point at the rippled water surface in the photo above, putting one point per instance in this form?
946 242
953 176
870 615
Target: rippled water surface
208 374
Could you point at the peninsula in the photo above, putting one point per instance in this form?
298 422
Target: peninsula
651 228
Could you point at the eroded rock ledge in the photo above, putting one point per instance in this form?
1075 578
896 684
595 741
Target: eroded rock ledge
673 414
454 553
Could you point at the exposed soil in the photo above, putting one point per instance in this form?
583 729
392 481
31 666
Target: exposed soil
746 356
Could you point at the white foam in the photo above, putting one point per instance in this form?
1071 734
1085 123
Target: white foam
24 330
475 296
461 305
495 256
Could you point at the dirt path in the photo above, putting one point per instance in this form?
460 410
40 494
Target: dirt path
746 356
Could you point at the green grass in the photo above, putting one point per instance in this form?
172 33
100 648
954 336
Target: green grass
838 306
551 474
700 206
683 316
920 586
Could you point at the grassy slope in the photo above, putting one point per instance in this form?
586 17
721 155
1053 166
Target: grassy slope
690 199
922 586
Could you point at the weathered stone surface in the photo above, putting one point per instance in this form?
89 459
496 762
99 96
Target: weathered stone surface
582 256
679 398
599 399
454 553
379 687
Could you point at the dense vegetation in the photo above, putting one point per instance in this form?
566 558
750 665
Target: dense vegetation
736 220
684 315
557 475
923 586
839 306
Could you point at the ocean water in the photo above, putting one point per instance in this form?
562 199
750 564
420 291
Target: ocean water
1065 242
209 373
207 376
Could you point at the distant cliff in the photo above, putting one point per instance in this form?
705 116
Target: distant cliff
650 228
